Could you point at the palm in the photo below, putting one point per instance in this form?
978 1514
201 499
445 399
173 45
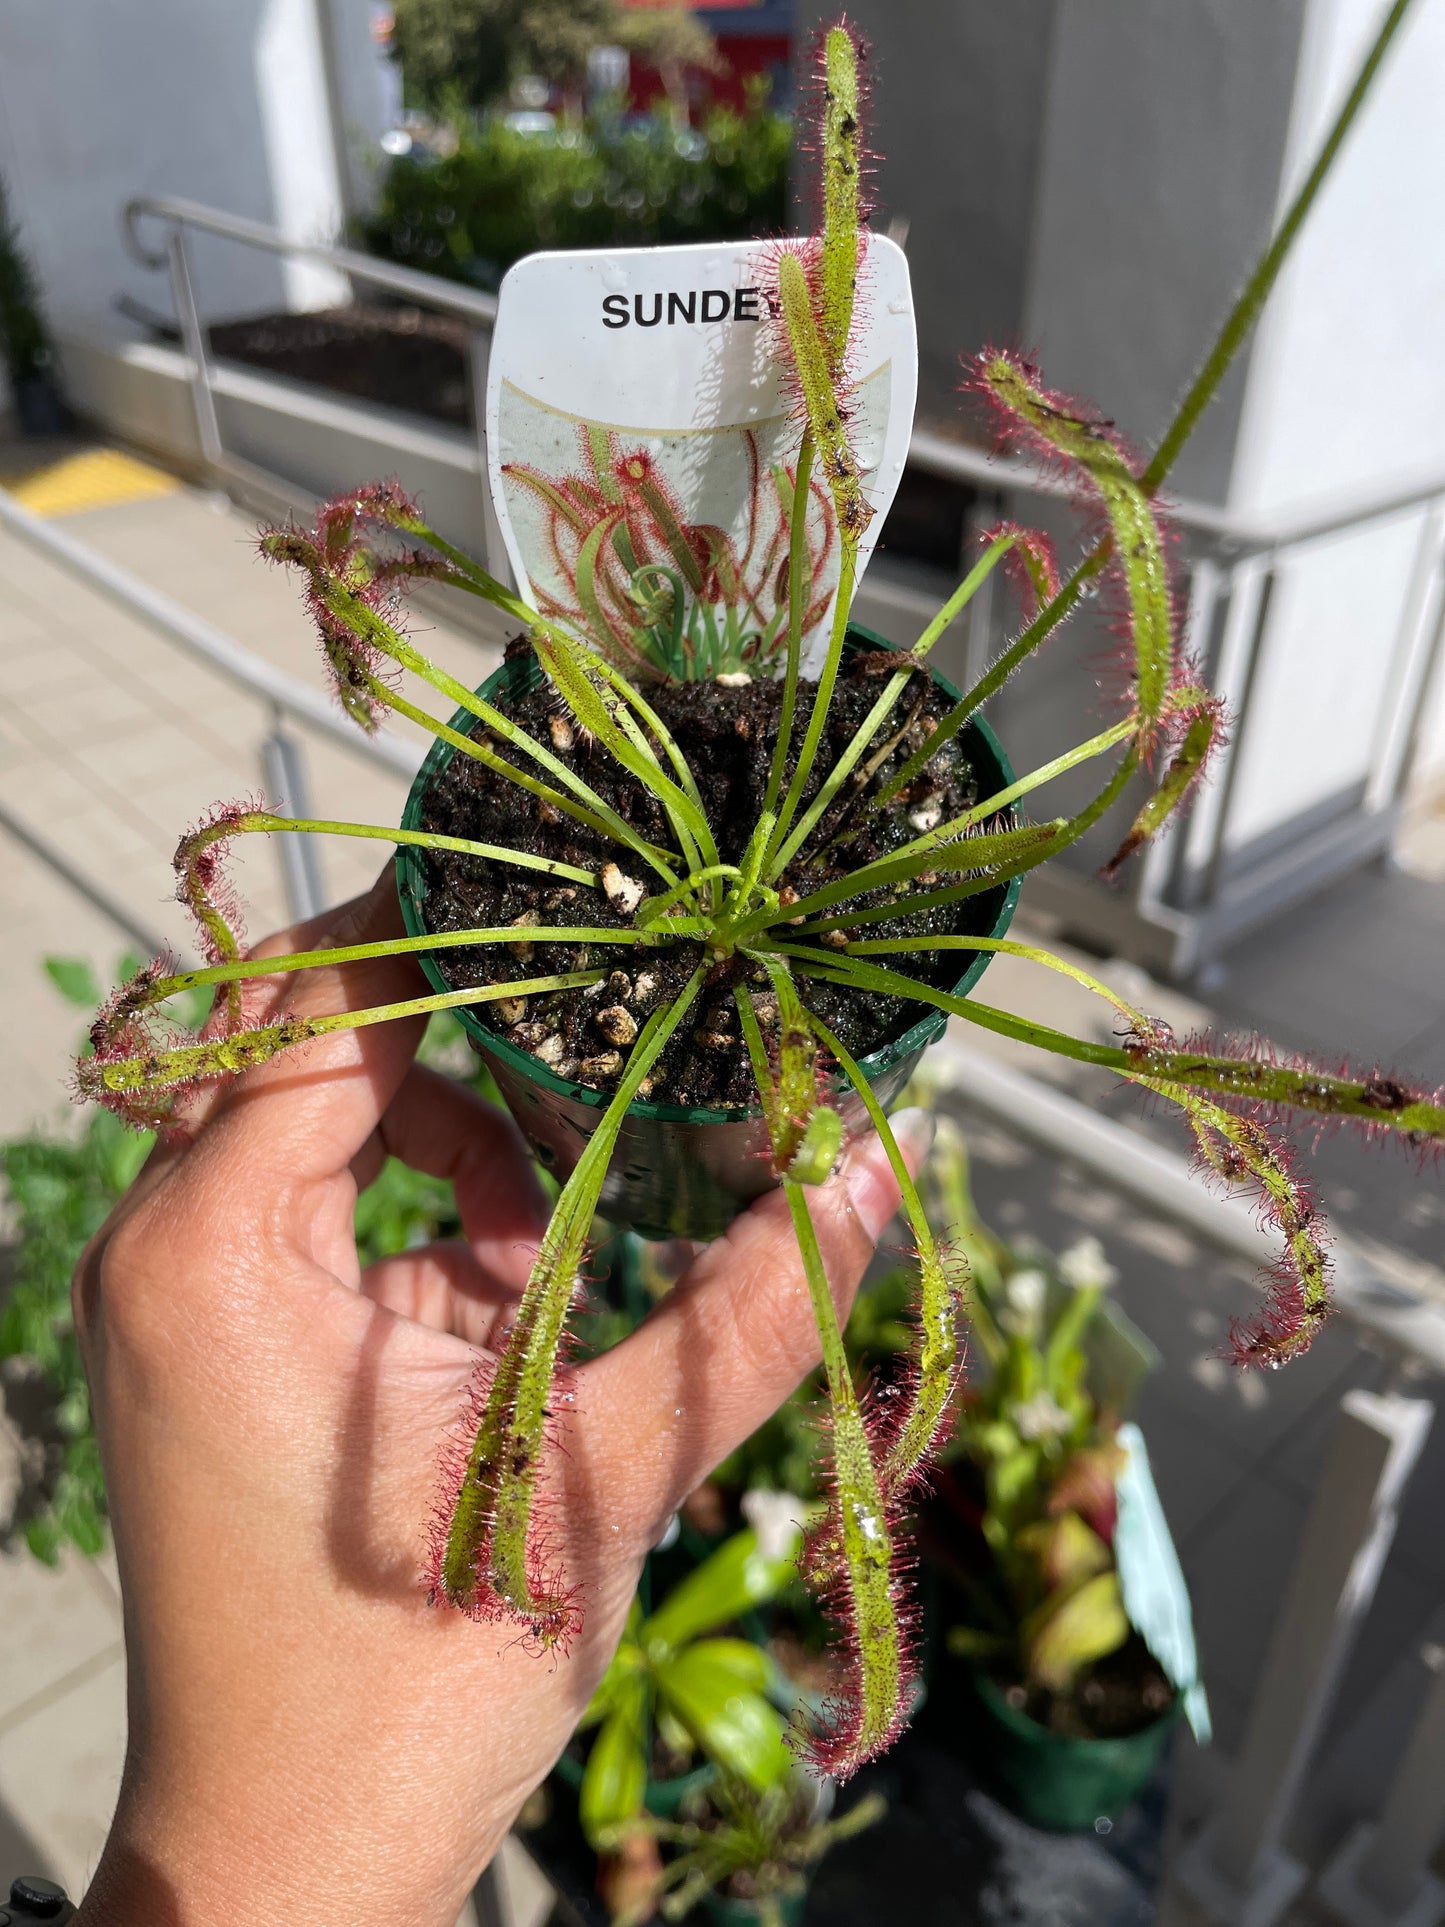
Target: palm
270 1415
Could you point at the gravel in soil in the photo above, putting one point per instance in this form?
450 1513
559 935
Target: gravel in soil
727 734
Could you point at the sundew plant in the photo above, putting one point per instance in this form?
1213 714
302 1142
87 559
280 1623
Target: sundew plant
765 927
659 596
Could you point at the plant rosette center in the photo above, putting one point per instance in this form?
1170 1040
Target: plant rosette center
722 916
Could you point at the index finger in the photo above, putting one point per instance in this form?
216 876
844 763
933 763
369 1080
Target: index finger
307 1112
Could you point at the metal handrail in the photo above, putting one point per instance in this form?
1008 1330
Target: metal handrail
478 310
928 450
1229 561
426 289
958 461
205 641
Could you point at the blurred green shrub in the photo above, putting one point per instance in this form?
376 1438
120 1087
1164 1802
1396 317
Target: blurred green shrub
624 183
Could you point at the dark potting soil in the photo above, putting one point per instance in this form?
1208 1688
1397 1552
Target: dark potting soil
727 735
1116 1696
401 357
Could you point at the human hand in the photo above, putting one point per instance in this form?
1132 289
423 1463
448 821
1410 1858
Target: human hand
309 1739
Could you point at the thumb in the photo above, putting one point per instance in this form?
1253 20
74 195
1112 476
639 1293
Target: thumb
737 1334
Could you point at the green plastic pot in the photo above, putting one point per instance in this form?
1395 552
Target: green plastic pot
678 1171
666 1798
726 1912
1057 1782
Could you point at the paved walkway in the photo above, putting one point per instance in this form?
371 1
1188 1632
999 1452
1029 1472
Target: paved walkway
111 743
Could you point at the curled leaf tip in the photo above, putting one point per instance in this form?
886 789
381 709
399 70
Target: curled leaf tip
1029 561
203 886
1059 431
1194 727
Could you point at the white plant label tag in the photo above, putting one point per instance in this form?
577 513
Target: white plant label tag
642 446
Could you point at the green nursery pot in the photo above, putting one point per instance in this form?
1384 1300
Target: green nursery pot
1057 1782
678 1171
666 1798
748 1913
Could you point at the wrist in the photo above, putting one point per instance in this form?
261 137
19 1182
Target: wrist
192 1869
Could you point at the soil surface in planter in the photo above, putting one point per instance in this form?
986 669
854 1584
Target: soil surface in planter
1118 1695
727 736
401 357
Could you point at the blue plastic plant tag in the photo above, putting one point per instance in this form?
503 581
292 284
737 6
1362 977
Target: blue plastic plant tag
1155 1595
642 443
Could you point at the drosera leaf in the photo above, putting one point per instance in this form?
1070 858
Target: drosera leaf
843 210
817 386
1241 1152
1378 1102
140 1078
1202 735
1061 428
853 1554
489 1557
919 1405
806 1134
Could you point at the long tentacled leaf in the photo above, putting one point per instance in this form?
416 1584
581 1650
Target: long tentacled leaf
488 1556
1186 766
1379 1102
1138 544
919 1404
139 1079
854 1551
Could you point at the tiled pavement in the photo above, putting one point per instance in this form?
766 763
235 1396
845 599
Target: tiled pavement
110 742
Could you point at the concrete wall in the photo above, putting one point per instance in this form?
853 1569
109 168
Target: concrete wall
229 104
959 95
1092 179
1346 396
1164 135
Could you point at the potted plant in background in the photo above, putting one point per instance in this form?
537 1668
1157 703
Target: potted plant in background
747 1856
687 1696
24 339
1075 1626
635 947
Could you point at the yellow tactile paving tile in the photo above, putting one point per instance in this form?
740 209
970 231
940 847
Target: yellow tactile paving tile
90 479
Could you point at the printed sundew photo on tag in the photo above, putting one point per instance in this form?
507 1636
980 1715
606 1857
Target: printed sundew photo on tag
643 447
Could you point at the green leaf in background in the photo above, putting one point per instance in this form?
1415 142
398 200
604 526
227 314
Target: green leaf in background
75 980
615 1778
727 1583
1070 1630
732 1723
61 1183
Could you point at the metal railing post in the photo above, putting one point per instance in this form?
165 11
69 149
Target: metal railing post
283 766
1237 1869
193 337
1381 1876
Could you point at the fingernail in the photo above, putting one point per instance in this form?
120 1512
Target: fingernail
914 1130
872 1187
